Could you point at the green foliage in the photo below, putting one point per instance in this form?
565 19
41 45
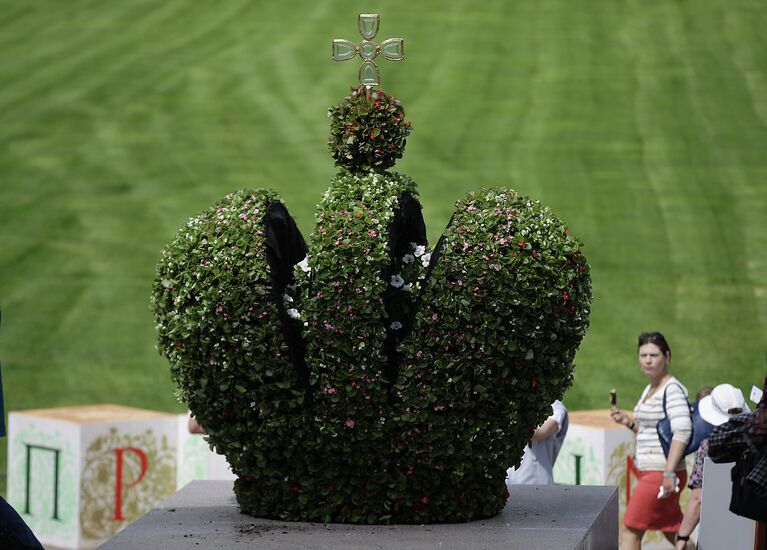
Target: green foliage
218 327
487 331
368 130
503 312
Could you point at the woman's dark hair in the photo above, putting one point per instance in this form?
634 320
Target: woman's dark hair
654 338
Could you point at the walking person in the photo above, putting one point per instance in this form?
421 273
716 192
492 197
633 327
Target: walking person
743 440
716 408
654 504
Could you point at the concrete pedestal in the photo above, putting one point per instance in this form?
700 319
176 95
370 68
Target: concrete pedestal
204 515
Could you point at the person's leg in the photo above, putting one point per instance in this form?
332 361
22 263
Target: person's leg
631 539
14 533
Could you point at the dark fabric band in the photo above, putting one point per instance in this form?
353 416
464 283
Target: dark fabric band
285 247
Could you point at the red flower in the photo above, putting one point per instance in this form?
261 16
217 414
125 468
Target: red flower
372 135
506 494
424 500
295 488
521 244
565 296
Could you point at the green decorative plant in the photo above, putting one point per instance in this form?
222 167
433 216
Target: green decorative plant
368 130
366 378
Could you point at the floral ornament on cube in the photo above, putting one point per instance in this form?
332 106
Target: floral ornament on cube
366 378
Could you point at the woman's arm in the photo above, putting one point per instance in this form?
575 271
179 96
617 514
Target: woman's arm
545 430
678 413
681 427
690 519
675 455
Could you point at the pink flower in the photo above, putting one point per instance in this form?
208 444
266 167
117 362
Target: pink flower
349 423
372 233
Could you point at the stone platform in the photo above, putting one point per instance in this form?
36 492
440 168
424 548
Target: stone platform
204 515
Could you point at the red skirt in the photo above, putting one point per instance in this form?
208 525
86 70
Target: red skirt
646 512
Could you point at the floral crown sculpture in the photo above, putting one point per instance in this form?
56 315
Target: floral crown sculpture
366 378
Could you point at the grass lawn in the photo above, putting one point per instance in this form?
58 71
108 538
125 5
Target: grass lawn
642 124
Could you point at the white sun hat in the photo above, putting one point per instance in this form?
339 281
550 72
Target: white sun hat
717 408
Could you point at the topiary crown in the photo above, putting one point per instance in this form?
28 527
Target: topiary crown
366 378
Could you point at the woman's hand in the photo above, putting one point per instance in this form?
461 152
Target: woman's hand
669 486
620 417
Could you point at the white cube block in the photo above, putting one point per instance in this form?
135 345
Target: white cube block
195 459
594 451
77 475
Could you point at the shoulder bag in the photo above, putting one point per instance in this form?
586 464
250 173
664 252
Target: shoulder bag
700 428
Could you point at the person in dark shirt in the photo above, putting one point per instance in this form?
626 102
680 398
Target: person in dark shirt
730 442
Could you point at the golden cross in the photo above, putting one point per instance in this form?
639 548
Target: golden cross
392 49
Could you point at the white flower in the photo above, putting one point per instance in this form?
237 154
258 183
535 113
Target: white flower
304 265
419 250
293 312
407 286
397 281
407 258
425 259
396 325
286 298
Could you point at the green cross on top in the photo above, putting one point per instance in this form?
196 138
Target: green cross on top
392 49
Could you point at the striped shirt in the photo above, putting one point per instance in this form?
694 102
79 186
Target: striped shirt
649 454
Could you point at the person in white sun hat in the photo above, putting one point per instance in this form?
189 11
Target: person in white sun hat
724 402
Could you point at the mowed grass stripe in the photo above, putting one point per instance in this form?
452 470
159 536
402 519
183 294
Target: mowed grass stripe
85 52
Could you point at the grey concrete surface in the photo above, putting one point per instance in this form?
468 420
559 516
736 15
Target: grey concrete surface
204 515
